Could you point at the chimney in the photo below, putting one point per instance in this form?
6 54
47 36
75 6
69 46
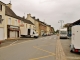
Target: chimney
24 17
9 5
28 16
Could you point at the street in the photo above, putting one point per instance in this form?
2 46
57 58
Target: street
44 48
39 49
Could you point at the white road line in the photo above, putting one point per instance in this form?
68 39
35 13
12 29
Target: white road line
14 42
73 58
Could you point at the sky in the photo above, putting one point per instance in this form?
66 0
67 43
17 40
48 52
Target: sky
48 11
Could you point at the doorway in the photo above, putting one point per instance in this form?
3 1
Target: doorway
28 31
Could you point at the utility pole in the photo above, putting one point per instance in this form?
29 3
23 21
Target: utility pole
61 21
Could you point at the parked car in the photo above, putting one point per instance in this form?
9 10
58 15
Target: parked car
44 34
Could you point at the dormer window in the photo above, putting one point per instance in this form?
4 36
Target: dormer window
0 7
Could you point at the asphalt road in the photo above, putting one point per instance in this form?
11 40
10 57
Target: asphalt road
38 49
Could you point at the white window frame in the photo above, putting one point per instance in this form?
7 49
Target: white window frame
9 21
16 22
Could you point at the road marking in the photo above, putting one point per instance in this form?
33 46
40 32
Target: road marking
45 45
73 58
44 50
40 57
14 42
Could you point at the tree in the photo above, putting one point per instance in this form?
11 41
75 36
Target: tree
53 31
57 31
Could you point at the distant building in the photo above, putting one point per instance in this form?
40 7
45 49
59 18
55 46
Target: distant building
43 28
35 22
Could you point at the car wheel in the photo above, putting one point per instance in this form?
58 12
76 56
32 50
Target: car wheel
72 50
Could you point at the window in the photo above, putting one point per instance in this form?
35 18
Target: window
63 32
15 22
1 7
0 18
26 25
9 21
33 33
30 26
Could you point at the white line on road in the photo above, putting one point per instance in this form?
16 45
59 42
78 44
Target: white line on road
14 42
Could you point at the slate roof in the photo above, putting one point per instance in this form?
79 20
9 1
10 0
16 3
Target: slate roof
76 22
24 20
67 25
9 12
28 21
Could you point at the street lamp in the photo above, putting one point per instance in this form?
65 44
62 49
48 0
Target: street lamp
61 21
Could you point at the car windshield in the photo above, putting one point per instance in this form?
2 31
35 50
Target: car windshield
63 32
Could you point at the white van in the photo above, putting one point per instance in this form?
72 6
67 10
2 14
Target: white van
34 34
29 33
63 33
75 39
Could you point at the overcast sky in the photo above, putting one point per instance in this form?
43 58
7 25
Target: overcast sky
49 10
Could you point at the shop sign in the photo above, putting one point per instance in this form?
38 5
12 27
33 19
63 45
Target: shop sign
13 27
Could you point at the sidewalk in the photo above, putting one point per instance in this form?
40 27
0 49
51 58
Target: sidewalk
19 38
